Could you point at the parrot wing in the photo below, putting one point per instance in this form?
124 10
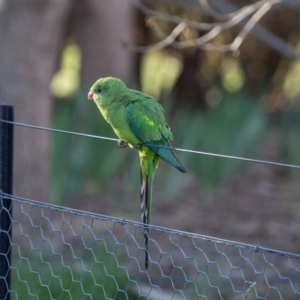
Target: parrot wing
146 119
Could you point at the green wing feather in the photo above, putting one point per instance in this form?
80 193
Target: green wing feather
146 119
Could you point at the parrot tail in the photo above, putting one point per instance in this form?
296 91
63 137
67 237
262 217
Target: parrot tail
146 199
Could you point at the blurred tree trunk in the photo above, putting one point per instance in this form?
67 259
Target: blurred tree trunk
31 33
100 27
190 92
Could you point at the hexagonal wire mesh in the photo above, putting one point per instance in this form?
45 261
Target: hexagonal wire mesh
61 253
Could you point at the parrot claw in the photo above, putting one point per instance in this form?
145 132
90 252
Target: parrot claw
122 144
137 146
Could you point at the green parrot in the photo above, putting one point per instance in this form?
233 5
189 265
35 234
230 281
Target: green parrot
138 121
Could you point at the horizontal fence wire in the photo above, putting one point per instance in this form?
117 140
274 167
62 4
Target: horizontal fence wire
62 253
252 160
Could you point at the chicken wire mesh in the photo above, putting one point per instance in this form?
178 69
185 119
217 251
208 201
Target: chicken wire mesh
61 253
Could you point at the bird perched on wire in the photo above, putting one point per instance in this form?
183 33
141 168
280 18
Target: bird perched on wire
138 121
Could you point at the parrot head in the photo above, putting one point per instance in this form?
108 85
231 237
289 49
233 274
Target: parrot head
106 90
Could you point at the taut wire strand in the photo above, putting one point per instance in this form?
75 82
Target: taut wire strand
273 163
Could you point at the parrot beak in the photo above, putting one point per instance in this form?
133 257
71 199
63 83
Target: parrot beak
90 95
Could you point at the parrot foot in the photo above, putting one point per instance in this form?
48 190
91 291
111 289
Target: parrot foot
137 146
122 144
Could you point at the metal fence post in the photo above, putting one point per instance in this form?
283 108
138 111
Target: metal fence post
6 174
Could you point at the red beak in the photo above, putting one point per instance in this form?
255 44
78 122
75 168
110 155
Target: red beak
90 95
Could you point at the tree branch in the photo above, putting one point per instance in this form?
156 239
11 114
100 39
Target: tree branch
228 16
251 23
168 40
265 35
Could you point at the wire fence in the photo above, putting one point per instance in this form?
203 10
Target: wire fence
62 253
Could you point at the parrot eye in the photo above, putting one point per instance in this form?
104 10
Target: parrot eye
99 90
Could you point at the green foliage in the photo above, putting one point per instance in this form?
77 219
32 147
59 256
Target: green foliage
289 124
66 81
231 128
54 277
291 86
159 71
232 75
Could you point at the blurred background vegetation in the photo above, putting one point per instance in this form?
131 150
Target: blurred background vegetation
225 102
239 103
215 102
